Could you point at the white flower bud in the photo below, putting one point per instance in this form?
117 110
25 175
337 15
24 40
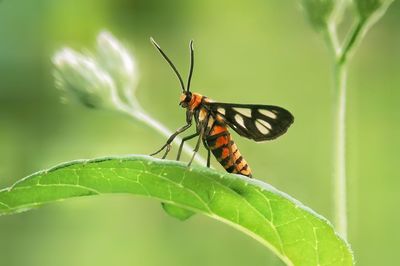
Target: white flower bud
117 61
83 79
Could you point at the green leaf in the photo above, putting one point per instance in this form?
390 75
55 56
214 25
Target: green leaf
366 8
293 232
177 212
318 12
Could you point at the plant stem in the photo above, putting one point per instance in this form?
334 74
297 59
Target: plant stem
340 90
342 52
341 56
353 38
340 194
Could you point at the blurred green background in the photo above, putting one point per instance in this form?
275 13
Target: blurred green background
247 52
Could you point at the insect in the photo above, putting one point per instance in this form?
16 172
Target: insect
212 119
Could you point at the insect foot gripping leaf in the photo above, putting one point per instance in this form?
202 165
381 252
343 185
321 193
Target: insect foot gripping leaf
293 232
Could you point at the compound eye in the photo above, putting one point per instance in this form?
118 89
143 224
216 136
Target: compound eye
188 97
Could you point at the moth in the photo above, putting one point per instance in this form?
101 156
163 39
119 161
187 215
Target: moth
213 120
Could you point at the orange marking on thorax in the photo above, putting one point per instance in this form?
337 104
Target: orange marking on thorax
195 101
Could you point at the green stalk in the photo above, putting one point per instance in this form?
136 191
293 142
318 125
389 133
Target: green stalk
340 191
340 90
366 15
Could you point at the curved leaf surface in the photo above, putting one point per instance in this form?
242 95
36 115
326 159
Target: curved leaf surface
293 232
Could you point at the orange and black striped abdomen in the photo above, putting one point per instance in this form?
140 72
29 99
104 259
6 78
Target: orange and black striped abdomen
223 147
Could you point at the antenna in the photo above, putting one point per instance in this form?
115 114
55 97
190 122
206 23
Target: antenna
169 62
191 64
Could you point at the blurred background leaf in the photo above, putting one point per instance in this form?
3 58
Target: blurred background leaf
319 12
366 8
253 52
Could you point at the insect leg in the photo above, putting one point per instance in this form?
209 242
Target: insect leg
208 152
208 157
170 139
196 149
166 151
183 141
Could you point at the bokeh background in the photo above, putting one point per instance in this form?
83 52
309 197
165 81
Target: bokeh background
246 51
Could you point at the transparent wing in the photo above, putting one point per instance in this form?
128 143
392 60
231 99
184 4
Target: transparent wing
257 122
